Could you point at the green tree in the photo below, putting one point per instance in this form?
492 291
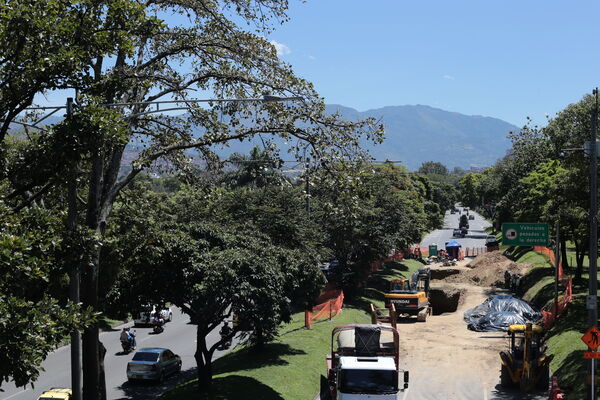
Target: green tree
34 318
432 167
468 190
222 57
211 269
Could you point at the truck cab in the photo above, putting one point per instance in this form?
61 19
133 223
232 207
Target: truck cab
364 363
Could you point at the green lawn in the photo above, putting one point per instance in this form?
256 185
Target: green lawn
291 366
563 339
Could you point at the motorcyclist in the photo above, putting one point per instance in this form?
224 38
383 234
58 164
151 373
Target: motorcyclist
157 323
132 341
128 337
225 330
124 336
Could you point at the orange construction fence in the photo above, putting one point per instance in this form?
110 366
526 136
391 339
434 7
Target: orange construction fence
550 317
550 254
329 304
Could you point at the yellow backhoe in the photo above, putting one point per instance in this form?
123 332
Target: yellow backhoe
526 364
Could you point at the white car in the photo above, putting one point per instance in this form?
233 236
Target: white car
146 318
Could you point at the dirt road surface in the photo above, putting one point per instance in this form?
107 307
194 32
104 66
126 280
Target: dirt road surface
448 361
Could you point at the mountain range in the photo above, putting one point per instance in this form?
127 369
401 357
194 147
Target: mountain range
413 134
418 133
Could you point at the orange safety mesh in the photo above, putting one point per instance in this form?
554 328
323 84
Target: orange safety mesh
549 317
329 305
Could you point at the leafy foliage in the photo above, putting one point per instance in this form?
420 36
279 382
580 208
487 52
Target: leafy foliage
33 319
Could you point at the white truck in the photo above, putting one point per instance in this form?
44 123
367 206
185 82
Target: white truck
364 364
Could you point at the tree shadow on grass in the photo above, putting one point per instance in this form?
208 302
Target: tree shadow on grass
250 358
571 375
239 387
224 388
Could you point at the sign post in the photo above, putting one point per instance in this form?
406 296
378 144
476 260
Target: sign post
525 234
592 339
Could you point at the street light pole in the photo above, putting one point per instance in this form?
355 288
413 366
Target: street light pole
74 273
593 253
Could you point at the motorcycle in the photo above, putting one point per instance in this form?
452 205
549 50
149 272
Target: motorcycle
128 345
157 327
227 343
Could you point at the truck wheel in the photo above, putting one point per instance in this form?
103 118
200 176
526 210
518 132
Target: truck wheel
543 381
505 379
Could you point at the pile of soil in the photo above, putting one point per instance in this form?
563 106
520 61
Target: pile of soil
488 270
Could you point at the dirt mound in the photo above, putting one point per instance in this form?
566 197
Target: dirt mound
444 272
485 259
488 270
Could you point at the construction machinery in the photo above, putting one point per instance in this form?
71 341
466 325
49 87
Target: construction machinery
411 297
386 315
526 364
364 363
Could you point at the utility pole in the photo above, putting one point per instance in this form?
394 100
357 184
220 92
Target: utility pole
591 303
556 263
74 273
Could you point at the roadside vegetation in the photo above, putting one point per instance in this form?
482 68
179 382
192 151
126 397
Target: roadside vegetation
290 366
564 338
139 202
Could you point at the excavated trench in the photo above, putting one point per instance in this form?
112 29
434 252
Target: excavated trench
445 299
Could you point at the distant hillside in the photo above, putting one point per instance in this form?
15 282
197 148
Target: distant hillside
415 134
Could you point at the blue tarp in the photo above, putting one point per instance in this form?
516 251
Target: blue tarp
453 243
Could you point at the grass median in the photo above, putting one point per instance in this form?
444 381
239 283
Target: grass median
290 367
563 339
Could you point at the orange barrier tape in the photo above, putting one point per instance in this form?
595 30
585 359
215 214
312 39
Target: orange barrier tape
328 308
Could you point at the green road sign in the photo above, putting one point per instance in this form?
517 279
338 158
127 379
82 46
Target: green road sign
525 234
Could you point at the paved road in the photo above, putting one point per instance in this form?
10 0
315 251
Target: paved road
475 237
178 336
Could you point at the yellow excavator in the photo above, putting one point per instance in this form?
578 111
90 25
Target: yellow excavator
526 363
411 297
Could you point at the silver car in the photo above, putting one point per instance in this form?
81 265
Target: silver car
153 363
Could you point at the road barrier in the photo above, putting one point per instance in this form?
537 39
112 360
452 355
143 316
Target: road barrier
329 304
551 315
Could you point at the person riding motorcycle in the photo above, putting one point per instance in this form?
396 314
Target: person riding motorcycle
127 338
225 332
157 323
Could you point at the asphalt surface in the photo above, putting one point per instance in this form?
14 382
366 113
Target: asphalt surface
179 336
474 238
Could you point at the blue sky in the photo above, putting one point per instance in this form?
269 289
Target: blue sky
505 59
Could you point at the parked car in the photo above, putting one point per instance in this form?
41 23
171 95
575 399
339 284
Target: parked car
491 240
145 317
153 363
56 393
457 233
471 216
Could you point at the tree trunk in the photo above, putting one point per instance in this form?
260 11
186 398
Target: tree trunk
563 252
102 378
91 336
579 256
203 361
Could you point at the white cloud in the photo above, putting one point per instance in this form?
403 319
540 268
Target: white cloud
281 48
311 57
449 77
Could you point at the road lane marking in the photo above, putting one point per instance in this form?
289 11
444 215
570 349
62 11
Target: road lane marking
405 394
16 394
485 394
